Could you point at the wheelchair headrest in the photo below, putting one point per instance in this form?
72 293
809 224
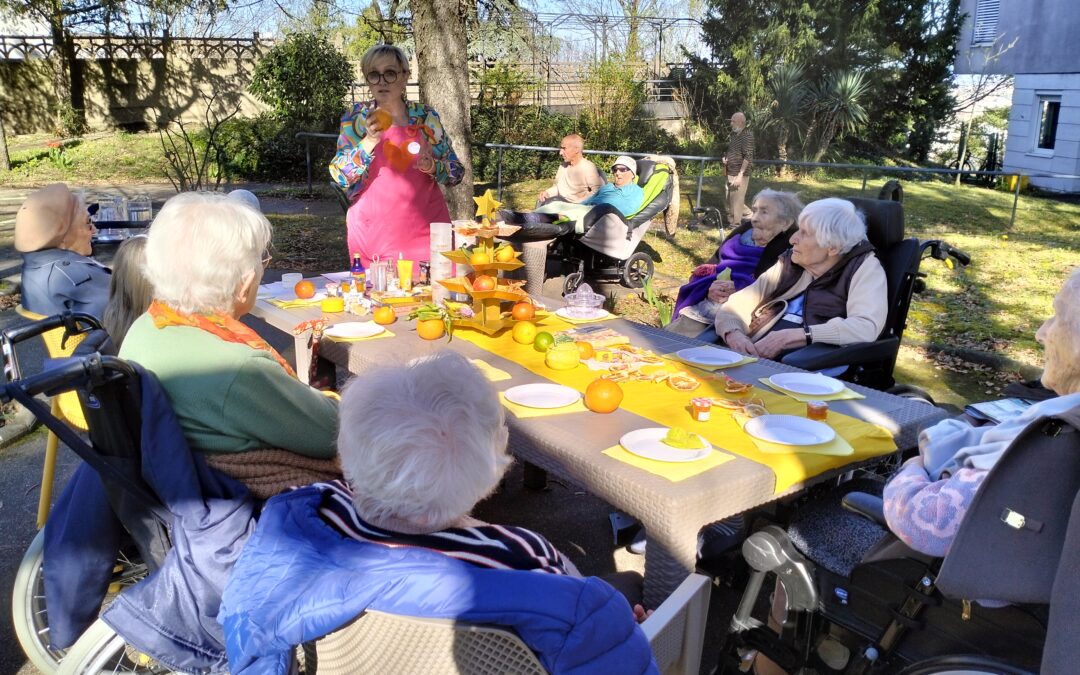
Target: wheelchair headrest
645 168
884 221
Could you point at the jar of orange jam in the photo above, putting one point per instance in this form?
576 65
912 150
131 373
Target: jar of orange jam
701 409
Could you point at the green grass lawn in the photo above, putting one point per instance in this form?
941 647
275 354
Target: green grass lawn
94 159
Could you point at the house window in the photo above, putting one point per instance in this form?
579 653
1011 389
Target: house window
1049 109
986 21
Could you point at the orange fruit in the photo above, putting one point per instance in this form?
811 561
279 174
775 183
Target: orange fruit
483 283
479 257
430 329
504 254
585 349
384 315
524 332
603 396
523 311
304 289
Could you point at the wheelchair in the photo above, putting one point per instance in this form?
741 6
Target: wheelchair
871 364
607 250
857 600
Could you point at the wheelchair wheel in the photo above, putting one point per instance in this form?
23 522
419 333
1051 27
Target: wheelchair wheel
572 281
28 610
101 650
637 269
965 665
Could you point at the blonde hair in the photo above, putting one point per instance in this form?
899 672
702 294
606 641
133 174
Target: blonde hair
130 293
377 52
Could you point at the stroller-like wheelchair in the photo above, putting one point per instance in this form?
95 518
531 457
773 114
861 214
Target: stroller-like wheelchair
607 249
860 601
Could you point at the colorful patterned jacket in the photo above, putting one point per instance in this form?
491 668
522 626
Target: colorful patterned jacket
349 167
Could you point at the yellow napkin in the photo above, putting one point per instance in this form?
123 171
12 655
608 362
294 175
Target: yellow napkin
711 369
384 334
523 412
842 395
492 373
292 304
572 320
672 471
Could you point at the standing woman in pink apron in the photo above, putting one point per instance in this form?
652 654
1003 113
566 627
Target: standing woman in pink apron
391 156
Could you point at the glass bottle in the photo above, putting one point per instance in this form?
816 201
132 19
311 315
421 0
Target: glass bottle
358 274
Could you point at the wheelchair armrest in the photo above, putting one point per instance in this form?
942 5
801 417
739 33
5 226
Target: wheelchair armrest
820 356
866 505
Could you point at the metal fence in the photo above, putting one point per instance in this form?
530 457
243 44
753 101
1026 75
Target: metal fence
703 163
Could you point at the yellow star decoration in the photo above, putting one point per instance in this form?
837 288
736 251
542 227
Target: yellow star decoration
486 206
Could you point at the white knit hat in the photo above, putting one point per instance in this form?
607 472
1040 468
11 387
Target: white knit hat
628 162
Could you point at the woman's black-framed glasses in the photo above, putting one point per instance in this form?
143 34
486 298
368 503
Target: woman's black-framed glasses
386 77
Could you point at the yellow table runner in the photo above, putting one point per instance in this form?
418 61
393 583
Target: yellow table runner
492 373
667 407
673 471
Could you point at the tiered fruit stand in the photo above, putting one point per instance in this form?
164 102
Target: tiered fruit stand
486 304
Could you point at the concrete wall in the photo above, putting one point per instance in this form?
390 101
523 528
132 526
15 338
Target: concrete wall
132 92
1021 153
1045 32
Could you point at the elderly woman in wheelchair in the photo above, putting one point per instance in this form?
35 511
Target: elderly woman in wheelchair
830 288
977 496
746 253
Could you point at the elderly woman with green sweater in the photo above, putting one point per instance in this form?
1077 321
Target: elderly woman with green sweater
231 391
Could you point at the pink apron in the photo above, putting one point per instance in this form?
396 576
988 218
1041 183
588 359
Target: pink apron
394 211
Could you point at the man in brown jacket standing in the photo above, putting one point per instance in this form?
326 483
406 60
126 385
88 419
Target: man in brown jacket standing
737 162
578 178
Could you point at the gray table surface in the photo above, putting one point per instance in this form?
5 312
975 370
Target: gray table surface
570 445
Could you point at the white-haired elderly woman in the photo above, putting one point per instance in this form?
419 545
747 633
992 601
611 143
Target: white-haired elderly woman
420 445
927 499
829 288
392 154
232 392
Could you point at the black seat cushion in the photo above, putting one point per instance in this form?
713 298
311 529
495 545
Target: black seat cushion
830 535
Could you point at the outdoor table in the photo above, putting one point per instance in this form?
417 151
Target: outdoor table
570 445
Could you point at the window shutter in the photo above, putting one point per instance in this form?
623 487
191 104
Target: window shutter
986 21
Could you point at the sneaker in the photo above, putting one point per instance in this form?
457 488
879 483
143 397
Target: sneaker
637 547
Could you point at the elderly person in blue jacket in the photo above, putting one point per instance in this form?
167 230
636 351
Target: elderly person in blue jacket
52 232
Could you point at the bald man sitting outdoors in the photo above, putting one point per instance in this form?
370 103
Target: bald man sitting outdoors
577 178
52 232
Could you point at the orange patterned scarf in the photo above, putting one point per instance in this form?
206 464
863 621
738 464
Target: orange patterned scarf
225 327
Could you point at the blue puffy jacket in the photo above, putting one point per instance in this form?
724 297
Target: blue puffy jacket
297 579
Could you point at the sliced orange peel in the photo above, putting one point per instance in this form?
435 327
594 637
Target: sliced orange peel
682 381
733 386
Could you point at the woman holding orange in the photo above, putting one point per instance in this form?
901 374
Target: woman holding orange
392 155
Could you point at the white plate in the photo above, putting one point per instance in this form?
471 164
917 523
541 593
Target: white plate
649 443
789 430
354 329
542 395
709 356
807 384
585 314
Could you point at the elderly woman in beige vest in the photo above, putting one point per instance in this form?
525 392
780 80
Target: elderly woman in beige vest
830 288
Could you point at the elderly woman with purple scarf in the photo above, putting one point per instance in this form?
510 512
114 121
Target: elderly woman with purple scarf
751 248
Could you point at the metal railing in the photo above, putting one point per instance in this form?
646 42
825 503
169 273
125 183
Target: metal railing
704 161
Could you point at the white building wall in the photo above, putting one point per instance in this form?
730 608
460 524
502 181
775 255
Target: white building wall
1021 153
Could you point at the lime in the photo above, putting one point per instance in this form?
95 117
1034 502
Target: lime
543 340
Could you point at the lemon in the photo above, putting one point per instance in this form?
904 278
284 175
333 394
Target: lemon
677 437
524 332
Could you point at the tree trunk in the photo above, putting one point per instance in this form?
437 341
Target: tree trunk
5 160
781 150
61 70
827 134
442 59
